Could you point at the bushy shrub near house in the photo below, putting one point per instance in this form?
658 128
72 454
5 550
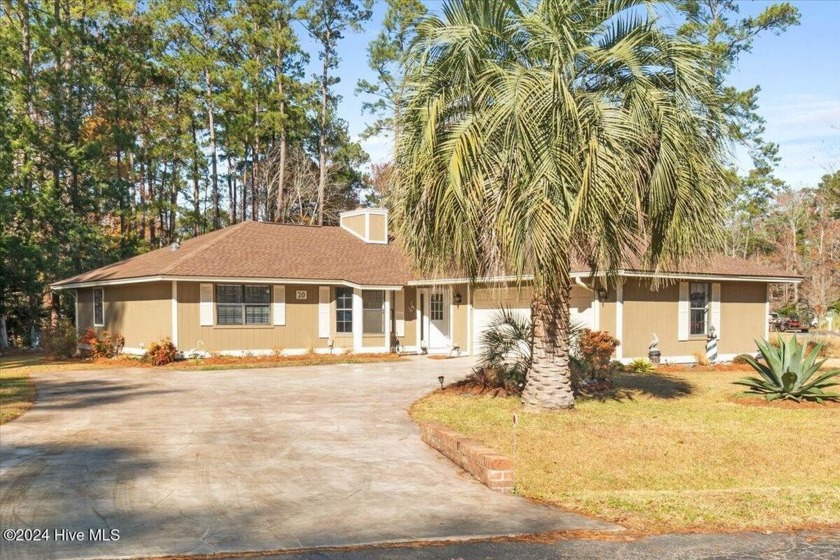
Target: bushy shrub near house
60 340
104 345
162 352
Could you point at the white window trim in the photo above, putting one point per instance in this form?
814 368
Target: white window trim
384 311
93 300
707 320
337 309
243 305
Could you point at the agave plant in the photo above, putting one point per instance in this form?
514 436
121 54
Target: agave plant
787 372
641 365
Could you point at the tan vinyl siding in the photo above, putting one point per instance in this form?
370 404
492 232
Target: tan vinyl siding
410 338
742 316
356 224
646 312
373 341
607 314
142 313
299 332
378 228
460 332
492 297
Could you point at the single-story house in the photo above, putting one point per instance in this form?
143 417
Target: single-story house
263 287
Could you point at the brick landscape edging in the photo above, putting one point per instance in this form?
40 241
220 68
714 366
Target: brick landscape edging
492 469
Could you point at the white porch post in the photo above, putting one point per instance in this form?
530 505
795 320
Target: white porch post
358 322
469 321
175 313
419 317
619 318
76 304
389 324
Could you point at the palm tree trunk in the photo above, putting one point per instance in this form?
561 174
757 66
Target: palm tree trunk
549 381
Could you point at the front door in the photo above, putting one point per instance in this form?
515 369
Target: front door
435 317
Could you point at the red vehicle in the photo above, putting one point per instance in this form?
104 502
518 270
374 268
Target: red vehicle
793 323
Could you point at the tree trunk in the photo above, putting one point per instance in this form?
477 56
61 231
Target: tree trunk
4 334
549 382
217 222
281 176
322 133
55 309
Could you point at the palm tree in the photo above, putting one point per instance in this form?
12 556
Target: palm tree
535 135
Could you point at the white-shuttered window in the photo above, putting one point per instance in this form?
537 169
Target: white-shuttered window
373 311
243 305
344 310
699 311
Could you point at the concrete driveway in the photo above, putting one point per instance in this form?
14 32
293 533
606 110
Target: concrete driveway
184 462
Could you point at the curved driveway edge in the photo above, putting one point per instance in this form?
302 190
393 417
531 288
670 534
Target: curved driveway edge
198 462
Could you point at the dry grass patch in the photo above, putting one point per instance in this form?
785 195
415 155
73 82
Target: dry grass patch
666 452
230 362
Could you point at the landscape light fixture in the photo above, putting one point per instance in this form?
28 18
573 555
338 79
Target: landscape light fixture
440 380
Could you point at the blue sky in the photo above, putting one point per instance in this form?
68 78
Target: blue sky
798 71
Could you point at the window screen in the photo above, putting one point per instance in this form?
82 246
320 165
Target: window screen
98 306
373 311
699 297
237 304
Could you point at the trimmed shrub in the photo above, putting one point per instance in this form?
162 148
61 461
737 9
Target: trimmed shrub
162 352
105 345
61 340
741 359
596 349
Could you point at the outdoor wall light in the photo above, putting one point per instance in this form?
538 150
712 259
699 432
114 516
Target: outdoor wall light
602 294
457 299
440 380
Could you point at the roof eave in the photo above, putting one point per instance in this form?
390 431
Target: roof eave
66 285
625 273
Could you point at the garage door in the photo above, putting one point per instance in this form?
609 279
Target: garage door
487 302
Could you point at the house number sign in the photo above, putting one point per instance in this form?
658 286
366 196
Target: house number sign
300 294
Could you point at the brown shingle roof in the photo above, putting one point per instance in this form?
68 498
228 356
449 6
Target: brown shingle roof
266 250
294 252
718 265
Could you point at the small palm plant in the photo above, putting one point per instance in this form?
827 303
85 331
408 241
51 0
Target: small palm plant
506 345
787 372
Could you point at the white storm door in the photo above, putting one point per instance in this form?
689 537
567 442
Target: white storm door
439 321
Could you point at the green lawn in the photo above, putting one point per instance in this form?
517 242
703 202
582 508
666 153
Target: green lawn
676 452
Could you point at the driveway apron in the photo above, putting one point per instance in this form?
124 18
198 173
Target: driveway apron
145 462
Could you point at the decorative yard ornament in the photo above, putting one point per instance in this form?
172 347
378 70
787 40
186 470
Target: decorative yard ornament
711 346
653 350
